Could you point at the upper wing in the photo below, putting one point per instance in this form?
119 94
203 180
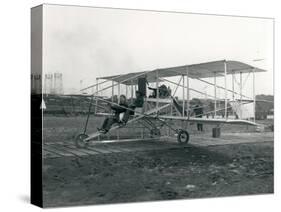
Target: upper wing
199 70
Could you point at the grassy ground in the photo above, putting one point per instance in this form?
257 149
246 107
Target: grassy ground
62 128
191 172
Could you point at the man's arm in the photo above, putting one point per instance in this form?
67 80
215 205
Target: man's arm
118 108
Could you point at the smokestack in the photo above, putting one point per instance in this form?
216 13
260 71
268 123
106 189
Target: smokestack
58 85
48 84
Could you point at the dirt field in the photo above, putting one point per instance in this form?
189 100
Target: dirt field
189 172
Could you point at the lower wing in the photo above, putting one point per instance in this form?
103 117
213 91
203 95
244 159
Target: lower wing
210 121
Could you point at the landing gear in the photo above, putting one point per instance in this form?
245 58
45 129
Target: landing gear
79 141
183 136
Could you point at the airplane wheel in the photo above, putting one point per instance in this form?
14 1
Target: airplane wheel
79 141
183 136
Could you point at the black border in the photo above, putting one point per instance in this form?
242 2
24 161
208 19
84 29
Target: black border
36 186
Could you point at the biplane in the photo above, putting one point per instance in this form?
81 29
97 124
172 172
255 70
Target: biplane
158 110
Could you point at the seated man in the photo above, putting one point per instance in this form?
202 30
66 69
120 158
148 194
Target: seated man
138 102
154 92
109 121
163 91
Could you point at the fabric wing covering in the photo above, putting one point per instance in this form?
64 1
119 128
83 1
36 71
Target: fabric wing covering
243 111
200 70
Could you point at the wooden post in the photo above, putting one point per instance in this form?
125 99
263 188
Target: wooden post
240 85
112 91
215 93
225 91
126 91
118 93
157 90
132 91
187 92
96 107
118 130
232 86
142 132
233 91
254 95
183 96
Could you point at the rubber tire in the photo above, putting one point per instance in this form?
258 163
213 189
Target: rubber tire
183 136
79 141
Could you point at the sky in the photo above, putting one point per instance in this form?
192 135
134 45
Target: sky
84 43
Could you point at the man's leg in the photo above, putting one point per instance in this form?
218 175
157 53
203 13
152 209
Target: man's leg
127 114
110 122
104 123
